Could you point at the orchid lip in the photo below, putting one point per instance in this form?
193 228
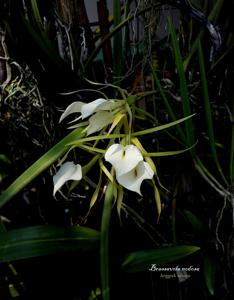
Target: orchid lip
123 159
67 171
133 179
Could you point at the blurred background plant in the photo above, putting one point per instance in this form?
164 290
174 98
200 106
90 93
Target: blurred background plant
176 57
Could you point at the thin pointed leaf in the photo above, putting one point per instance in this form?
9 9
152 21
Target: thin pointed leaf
190 140
210 273
120 200
97 190
196 223
167 153
161 127
36 14
105 171
116 121
166 102
157 200
207 109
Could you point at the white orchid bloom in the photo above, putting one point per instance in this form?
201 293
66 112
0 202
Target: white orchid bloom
123 159
86 109
102 109
67 171
129 166
132 180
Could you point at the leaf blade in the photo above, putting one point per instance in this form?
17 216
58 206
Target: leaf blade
45 240
141 260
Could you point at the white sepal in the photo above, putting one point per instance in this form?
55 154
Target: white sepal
75 107
92 107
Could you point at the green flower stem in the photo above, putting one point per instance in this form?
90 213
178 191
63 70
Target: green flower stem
128 130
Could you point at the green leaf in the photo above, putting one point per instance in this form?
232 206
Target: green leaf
45 240
210 273
161 127
166 153
195 222
142 260
104 241
207 110
165 101
4 159
43 42
36 14
157 200
190 140
39 166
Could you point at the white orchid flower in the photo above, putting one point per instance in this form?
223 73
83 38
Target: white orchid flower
67 171
86 109
132 180
123 159
129 166
103 109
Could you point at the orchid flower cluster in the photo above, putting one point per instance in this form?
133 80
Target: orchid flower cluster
127 160
113 120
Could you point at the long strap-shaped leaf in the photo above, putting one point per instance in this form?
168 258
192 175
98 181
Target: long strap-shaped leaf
142 260
207 109
183 86
39 166
166 101
104 241
45 240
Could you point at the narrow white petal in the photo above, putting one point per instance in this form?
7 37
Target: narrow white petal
75 107
90 108
133 179
123 159
68 171
99 121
